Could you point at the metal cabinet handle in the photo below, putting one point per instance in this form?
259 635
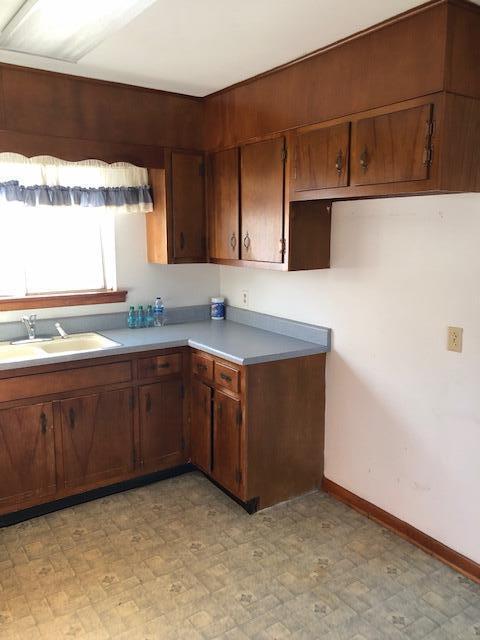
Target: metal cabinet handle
43 422
339 162
71 417
247 241
182 240
224 376
233 241
148 403
364 159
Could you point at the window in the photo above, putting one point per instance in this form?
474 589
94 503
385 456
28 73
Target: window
49 250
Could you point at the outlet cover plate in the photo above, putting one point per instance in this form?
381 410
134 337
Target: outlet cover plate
455 339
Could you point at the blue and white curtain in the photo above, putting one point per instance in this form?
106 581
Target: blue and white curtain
44 180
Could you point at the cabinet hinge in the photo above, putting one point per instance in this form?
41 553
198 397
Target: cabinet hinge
283 246
238 476
428 149
284 154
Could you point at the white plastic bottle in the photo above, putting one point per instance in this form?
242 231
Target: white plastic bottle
158 313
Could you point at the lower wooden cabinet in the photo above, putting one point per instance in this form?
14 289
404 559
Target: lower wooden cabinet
227 427
97 437
201 425
27 454
162 440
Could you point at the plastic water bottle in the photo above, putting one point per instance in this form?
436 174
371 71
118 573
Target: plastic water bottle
131 318
158 312
140 319
149 318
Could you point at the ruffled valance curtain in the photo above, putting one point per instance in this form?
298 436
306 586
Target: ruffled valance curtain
45 180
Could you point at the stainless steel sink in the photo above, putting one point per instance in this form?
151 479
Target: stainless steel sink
76 343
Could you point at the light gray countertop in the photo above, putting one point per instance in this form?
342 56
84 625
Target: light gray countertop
232 341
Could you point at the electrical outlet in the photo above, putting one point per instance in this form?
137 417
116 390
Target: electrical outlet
455 339
245 298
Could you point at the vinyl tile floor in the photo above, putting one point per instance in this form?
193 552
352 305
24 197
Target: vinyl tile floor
179 560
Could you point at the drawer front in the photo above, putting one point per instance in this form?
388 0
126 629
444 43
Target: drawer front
45 384
227 377
202 366
159 366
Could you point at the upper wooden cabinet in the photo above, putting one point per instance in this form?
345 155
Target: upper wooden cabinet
320 158
393 147
176 229
224 204
262 179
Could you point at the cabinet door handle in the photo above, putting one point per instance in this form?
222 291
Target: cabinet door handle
364 159
43 422
247 242
233 241
148 403
71 417
182 240
201 367
339 162
224 376
164 365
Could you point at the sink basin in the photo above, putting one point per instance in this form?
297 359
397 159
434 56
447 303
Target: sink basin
17 353
76 343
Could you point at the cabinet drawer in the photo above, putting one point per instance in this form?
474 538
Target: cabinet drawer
227 377
202 366
158 366
45 384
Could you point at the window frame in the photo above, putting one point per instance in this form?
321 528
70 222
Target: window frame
48 301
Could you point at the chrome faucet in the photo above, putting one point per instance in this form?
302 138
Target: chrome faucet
29 322
61 330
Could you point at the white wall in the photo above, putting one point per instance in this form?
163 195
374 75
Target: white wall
179 285
403 414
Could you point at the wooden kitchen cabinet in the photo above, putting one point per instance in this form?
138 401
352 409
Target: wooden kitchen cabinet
320 158
162 441
97 437
227 436
262 179
201 425
27 454
392 147
176 229
223 191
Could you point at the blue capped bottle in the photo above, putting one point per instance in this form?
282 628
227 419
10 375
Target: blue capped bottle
158 312
132 318
140 319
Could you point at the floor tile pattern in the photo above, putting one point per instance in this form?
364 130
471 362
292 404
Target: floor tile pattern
180 560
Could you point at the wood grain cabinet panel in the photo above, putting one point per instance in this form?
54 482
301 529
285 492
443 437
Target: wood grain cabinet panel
27 454
262 175
97 436
161 425
227 377
394 147
224 204
227 427
160 366
188 204
321 158
202 366
201 425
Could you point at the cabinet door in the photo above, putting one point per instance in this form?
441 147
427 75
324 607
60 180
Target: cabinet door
224 205
392 148
201 425
27 454
262 175
226 463
161 424
321 158
188 205
97 433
